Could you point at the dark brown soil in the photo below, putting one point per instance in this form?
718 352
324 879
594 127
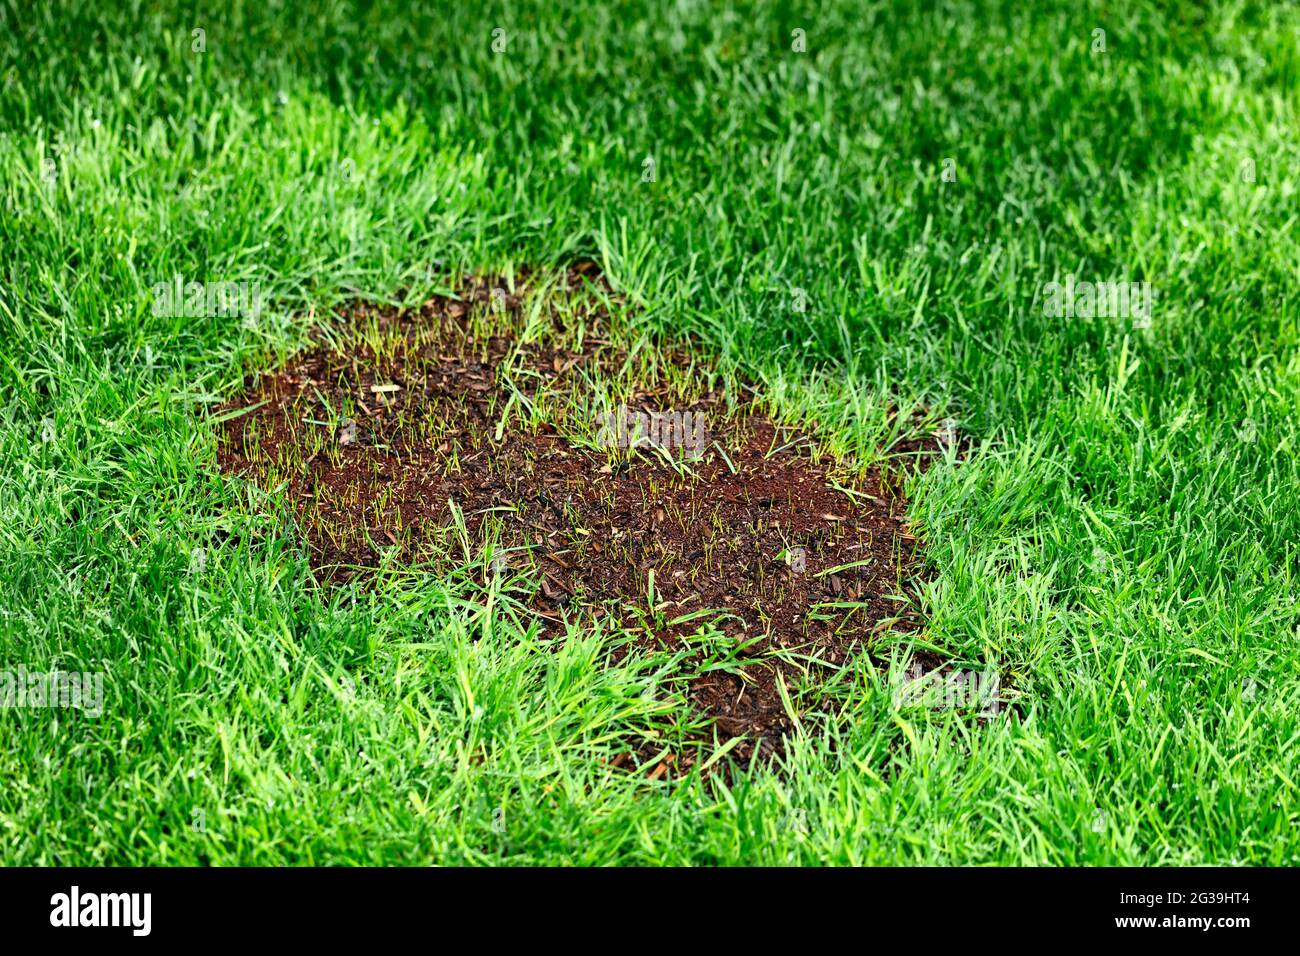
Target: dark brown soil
375 438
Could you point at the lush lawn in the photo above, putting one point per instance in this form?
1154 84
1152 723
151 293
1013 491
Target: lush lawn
1121 543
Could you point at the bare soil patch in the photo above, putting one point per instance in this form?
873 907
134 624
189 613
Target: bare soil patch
426 434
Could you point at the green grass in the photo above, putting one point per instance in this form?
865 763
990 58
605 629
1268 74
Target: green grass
1121 542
